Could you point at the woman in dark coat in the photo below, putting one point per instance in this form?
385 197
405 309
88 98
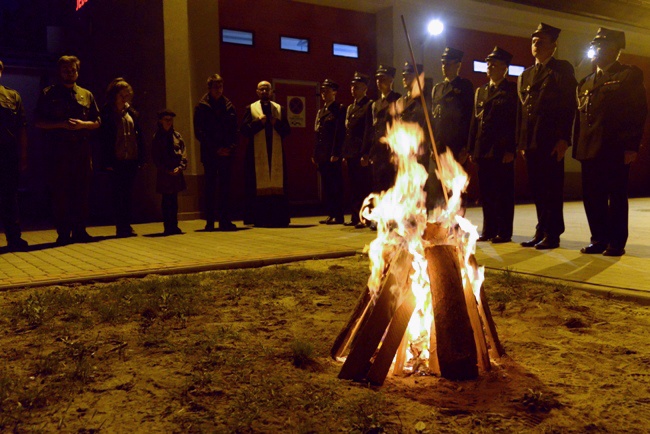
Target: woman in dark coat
168 149
122 150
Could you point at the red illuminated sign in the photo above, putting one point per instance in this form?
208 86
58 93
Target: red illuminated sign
81 3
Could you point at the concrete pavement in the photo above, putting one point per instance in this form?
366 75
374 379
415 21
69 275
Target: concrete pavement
196 250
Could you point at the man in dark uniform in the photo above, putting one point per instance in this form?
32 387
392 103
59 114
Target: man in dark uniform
13 158
215 127
545 122
452 100
492 145
68 113
356 122
330 132
612 113
411 110
378 153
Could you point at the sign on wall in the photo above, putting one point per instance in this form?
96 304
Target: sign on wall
296 111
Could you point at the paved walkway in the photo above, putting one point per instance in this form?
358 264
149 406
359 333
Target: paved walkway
196 250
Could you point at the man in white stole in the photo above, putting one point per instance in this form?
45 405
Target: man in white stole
265 124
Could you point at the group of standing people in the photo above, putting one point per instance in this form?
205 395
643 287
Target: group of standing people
540 116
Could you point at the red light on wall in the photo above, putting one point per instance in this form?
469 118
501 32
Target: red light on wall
81 3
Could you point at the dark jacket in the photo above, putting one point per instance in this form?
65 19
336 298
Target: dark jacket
12 122
330 132
356 117
494 123
108 135
215 126
451 104
612 113
168 151
378 123
548 106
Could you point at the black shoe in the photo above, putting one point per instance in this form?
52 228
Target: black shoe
82 237
173 231
227 227
499 239
373 226
533 241
352 223
484 238
614 251
360 225
125 232
17 245
63 240
327 221
209 226
336 221
594 248
548 243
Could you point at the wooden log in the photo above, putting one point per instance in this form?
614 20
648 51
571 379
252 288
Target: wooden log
496 349
400 357
344 337
454 336
477 327
367 339
434 365
390 343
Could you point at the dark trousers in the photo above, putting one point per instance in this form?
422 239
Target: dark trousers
359 178
546 180
433 188
383 175
9 177
71 176
170 211
217 189
331 175
122 180
497 186
604 191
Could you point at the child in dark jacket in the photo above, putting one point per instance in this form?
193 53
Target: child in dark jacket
168 150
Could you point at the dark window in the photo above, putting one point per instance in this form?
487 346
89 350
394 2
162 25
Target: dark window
345 50
294 44
238 37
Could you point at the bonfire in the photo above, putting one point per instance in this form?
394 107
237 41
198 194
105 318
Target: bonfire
424 310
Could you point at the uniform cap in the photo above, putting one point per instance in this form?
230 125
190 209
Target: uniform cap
330 83
166 112
553 32
499 54
360 78
614 36
452 54
408 68
385 70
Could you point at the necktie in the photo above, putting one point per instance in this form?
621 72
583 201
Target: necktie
599 74
538 70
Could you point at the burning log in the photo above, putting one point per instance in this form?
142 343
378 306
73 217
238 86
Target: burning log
377 318
455 346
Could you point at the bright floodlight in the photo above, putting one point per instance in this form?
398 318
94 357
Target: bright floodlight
591 53
435 27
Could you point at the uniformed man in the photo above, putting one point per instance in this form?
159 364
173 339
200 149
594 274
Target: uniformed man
411 110
545 120
612 113
13 158
451 101
492 145
330 132
379 154
356 122
68 113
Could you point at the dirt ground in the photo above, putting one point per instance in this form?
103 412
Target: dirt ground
247 351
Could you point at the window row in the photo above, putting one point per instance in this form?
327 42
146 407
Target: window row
240 37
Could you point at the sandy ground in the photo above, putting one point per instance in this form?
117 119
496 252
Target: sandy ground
247 351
